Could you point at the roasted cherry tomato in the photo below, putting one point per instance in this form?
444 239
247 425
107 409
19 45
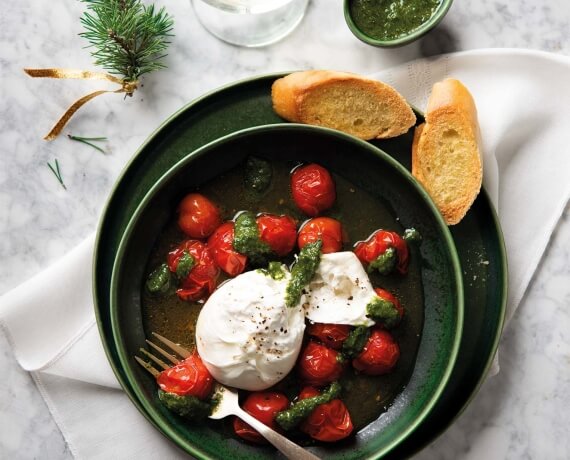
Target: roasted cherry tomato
198 217
377 244
188 378
279 232
384 294
318 364
326 229
331 335
380 354
262 405
328 422
200 281
313 189
223 252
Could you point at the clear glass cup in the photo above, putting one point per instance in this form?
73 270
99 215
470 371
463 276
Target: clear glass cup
250 22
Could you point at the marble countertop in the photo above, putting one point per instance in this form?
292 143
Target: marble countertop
520 413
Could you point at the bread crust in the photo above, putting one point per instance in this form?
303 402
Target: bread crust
446 155
301 97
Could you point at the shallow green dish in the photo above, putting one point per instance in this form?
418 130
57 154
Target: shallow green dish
245 104
433 21
366 167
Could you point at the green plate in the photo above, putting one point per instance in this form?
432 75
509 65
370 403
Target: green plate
245 104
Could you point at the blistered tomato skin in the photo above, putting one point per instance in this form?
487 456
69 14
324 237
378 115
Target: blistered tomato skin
326 229
188 378
331 335
223 252
318 364
329 422
263 405
279 232
201 280
198 217
313 189
380 354
378 243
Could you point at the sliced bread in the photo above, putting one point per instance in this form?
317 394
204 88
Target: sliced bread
360 106
446 155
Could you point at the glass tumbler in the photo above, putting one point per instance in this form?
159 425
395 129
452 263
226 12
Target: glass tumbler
250 22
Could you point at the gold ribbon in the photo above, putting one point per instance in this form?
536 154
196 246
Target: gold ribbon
127 87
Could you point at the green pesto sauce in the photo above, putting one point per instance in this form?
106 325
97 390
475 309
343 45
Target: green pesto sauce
385 262
258 174
159 280
391 19
247 240
275 270
302 272
300 410
185 265
189 407
355 342
383 311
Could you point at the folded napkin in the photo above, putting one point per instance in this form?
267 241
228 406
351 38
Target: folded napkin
522 99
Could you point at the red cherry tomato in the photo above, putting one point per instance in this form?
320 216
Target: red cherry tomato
332 335
313 189
386 295
188 378
328 422
198 217
201 281
377 244
380 354
279 232
223 252
326 229
262 405
318 364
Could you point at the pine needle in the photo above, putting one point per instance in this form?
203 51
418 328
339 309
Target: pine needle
57 173
129 38
88 141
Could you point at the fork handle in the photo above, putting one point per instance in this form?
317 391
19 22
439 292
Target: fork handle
284 445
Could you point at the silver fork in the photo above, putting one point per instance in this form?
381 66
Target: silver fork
227 400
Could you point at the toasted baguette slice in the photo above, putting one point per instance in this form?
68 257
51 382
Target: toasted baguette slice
356 105
446 156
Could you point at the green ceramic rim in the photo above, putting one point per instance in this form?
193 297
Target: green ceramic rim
412 36
442 227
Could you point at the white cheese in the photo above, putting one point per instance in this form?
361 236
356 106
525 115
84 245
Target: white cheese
339 291
246 336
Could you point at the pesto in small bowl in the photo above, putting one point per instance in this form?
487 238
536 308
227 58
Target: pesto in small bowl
391 23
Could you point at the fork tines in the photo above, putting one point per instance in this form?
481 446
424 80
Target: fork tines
148 365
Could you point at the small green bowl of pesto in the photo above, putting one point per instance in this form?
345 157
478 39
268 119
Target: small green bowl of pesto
393 23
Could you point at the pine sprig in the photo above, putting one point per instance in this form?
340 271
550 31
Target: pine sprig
129 38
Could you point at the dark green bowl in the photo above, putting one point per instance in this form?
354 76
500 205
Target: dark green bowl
367 167
433 21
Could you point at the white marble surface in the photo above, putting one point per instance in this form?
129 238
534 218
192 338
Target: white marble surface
520 414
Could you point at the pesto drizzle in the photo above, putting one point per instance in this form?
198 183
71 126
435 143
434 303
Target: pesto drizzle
303 271
355 342
189 407
383 311
300 410
158 282
258 174
275 270
247 240
385 262
185 265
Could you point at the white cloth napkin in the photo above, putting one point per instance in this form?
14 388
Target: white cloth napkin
522 99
